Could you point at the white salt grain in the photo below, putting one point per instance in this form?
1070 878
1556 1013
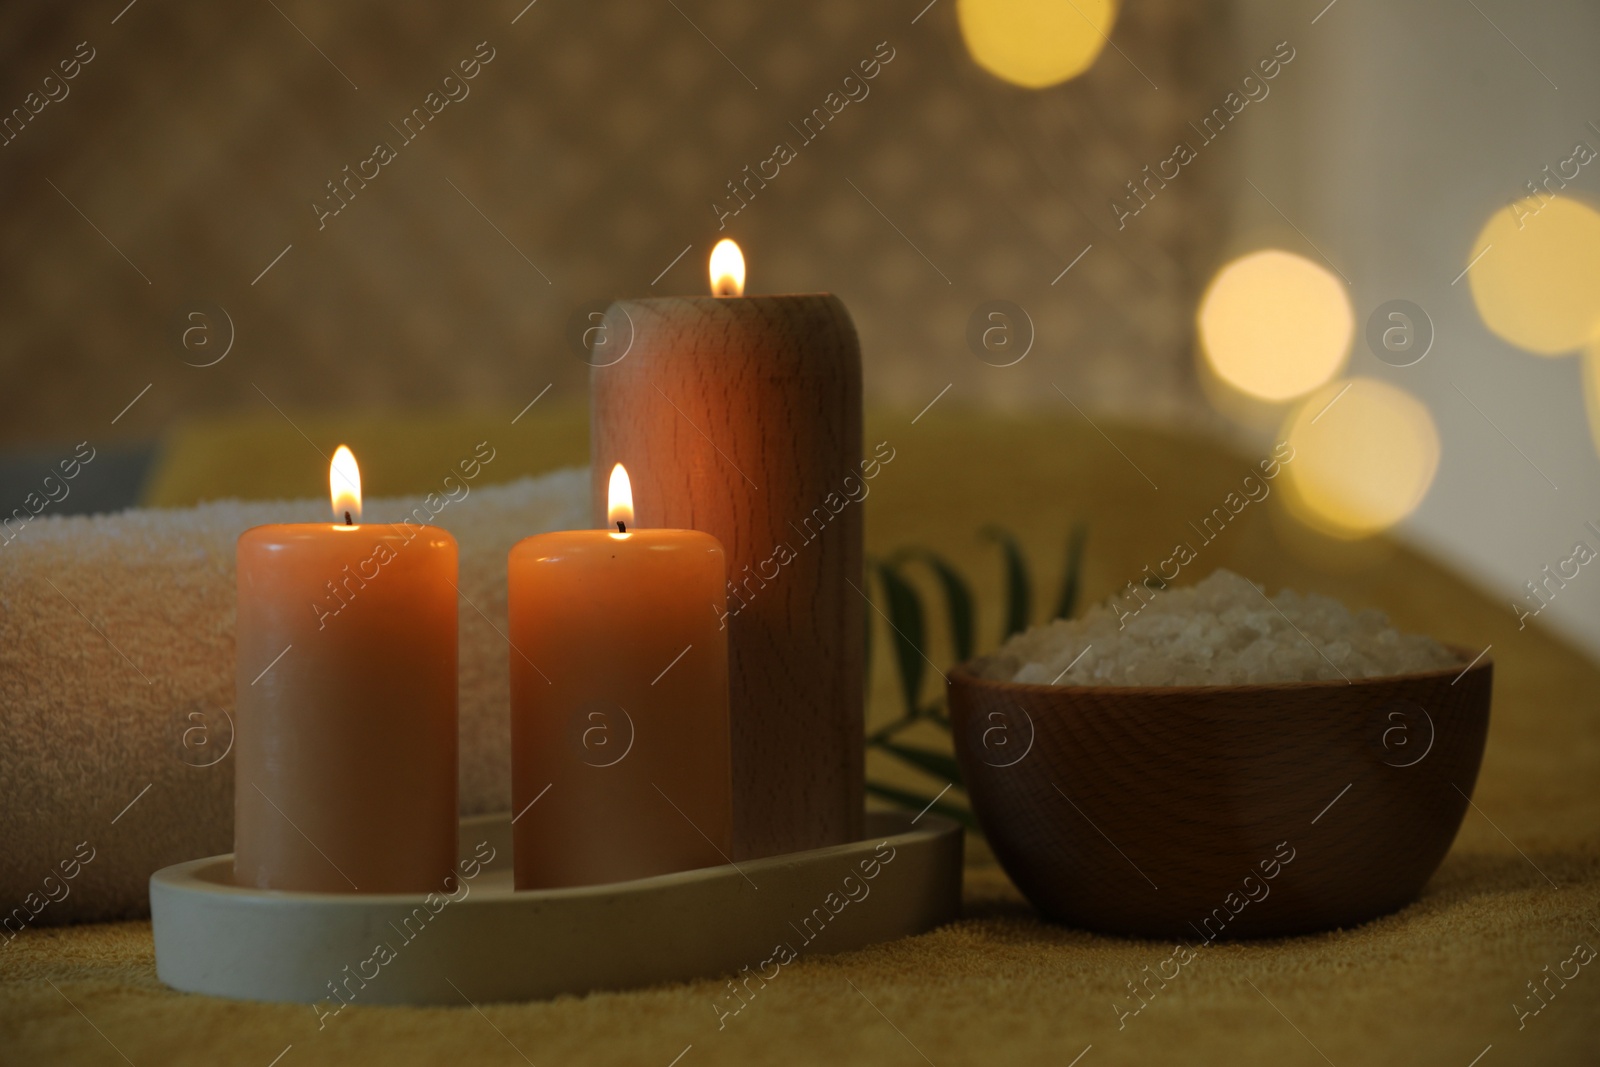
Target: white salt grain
1222 631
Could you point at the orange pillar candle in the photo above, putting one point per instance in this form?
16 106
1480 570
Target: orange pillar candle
346 703
619 702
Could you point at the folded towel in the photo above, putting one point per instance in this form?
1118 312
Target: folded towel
117 683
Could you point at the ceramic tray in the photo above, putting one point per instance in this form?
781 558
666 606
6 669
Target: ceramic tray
489 943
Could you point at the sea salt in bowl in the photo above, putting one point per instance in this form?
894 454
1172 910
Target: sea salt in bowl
1240 786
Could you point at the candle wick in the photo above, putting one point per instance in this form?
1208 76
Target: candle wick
622 527
347 521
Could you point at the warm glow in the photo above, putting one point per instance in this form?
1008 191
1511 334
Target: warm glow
727 269
1535 274
619 500
344 484
1275 325
1035 43
1365 453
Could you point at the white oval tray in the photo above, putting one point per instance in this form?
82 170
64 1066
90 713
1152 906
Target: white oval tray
493 944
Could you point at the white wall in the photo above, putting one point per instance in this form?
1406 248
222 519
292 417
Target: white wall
1405 126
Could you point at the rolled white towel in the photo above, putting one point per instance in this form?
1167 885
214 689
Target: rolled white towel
117 684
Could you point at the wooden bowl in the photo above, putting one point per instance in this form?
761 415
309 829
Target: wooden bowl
1225 811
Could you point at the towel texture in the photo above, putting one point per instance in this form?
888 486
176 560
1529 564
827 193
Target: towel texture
117 682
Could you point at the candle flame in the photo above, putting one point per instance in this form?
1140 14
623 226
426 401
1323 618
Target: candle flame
344 485
727 269
619 499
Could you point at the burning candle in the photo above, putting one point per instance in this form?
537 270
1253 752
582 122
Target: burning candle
741 416
346 702
619 702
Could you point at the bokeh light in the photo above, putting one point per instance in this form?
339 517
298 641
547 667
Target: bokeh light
1365 453
1035 43
1275 325
1535 274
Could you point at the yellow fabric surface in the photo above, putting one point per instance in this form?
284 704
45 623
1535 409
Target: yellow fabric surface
1434 983
272 456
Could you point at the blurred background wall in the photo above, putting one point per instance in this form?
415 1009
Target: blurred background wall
170 252
1417 128
587 157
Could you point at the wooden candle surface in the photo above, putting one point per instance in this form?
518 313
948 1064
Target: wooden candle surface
741 417
346 708
619 706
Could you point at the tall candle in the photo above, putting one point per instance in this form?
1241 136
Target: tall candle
619 702
741 416
346 703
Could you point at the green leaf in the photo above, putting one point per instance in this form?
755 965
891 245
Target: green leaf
958 598
1072 580
907 632
935 763
907 799
1019 587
